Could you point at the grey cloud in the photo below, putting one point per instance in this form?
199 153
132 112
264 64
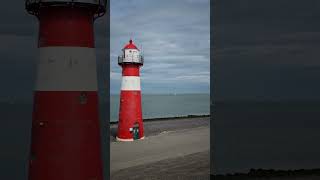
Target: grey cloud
174 37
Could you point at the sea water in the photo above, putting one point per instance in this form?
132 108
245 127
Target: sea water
161 105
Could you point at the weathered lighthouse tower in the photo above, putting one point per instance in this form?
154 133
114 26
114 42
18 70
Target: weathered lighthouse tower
130 124
65 141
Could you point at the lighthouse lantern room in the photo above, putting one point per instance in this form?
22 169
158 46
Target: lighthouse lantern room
131 55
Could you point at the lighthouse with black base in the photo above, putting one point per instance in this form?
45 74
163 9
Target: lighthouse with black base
66 141
130 126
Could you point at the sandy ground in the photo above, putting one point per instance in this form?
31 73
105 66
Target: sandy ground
176 149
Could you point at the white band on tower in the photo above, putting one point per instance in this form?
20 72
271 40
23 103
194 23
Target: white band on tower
66 69
130 83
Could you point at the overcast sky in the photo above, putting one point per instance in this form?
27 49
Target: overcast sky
263 49
175 38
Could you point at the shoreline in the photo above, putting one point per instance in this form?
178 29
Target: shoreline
169 118
156 126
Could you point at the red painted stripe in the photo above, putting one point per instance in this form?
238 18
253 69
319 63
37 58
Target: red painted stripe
65 136
66 26
130 112
130 70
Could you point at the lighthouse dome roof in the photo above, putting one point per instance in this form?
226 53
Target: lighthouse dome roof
130 45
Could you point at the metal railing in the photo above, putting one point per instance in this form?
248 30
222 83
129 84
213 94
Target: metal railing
135 60
33 6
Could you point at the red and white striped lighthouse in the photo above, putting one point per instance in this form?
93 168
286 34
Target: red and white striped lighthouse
130 125
65 141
